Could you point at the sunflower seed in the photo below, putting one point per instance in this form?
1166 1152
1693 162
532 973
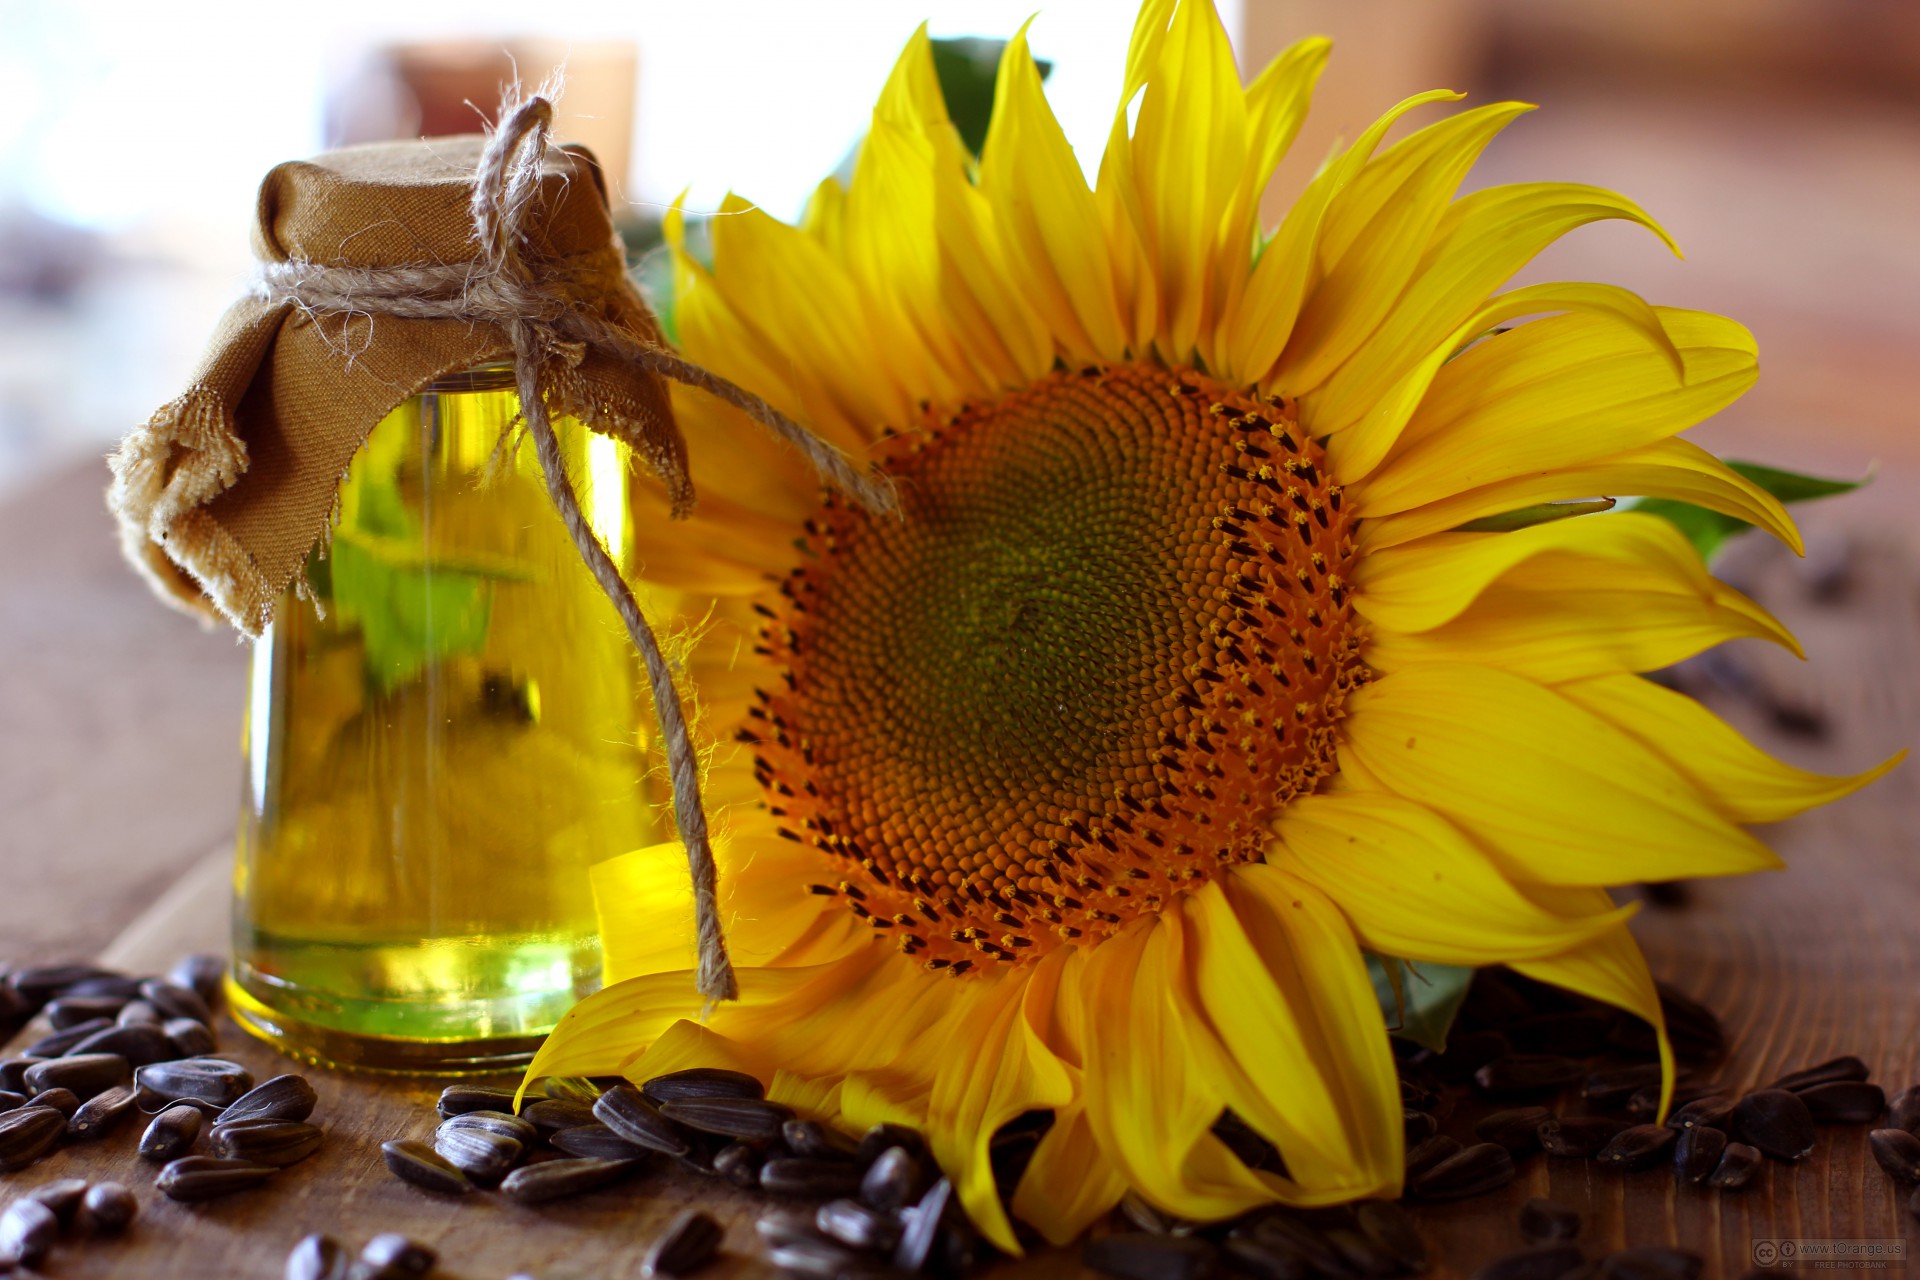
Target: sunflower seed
738 1163
922 1227
200 974
1578 1033
194 1178
190 1039
577 1088
1417 1126
813 1139
1898 1152
1714 1111
1644 1105
279 1143
139 1044
1903 1110
798 1176
1430 1153
1139 1255
138 1013
1392 1232
688 1244
10 1100
1281 1241
286 1097
498 1122
98 1115
52 1046
27 1230
63 1196
391 1256
814 1258
1545 1221
891 1180
38 984
1466 1053
701 1082
1640 1147
419 1164
1541 1262
1518 1130
317 1257
1844 1102
1737 1166
27 1134
171 1134
550 1115
750 1119
13 1073
212 1080
1697 1152
62 1100
627 1112
1775 1121
1845 1067
557 1179
778 1226
1265 1259
119 986
597 1142
484 1156
175 1001
1581 1137
107 1209
1612 1088
855 1225
459 1099
1470 1172
69 1012
85 1074
1651 1262
876 1141
1523 1073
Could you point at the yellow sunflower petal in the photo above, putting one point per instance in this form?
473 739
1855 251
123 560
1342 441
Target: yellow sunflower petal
1069 1184
1742 781
1117 196
1050 228
1677 469
1573 801
1481 241
1414 887
1555 393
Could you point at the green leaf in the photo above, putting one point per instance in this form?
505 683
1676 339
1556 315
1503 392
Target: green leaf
1540 513
1708 530
408 614
1419 1000
967 68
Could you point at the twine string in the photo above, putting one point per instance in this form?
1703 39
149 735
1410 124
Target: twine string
528 297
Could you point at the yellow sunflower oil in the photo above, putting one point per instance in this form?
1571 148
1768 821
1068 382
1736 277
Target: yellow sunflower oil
444 734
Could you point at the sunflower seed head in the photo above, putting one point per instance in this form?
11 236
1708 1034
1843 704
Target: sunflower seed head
1776 1121
701 1082
212 1080
419 1164
285 1097
749 1119
317 1257
279 1143
107 1209
101 1113
391 1256
688 1244
171 1134
27 1134
484 1156
27 1230
559 1179
195 1178
627 1112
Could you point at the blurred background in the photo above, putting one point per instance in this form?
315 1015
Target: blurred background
1779 141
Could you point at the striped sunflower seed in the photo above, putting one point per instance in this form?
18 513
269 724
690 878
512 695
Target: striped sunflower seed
818 1179
69 1012
459 1099
1280 1241
194 1178
212 1080
503 1123
1697 1153
738 1163
171 1134
286 1097
62 1100
1898 1152
1475 1170
1430 1153
318 1257
891 1180
1417 1126
391 1256
749 1119
689 1243
598 1142
13 1073
1844 1068
550 1115
40 983
174 1001
882 1137
85 1074
626 1111
701 1082
1141 1255
1776 1121
138 1013
484 1156
1639 1147
139 1044
814 1258
101 1114
27 1134
27 1230
9 1100
119 986
107 1209
818 1141
560 1179
57 1043
279 1143
779 1226
1545 1221
855 1225
419 1164
1539 1262
1903 1110
921 1226
1844 1101
190 1039
63 1196
1581 1137
1738 1163
1517 1130
1714 1111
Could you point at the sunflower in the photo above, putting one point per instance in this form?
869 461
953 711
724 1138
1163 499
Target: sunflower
1179 681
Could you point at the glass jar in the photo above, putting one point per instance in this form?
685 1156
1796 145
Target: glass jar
445 732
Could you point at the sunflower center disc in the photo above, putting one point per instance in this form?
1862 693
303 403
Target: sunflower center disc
1107 638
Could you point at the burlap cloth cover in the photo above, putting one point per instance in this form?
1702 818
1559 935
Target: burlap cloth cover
225 490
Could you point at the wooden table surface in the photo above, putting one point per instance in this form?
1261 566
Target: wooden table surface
118 775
